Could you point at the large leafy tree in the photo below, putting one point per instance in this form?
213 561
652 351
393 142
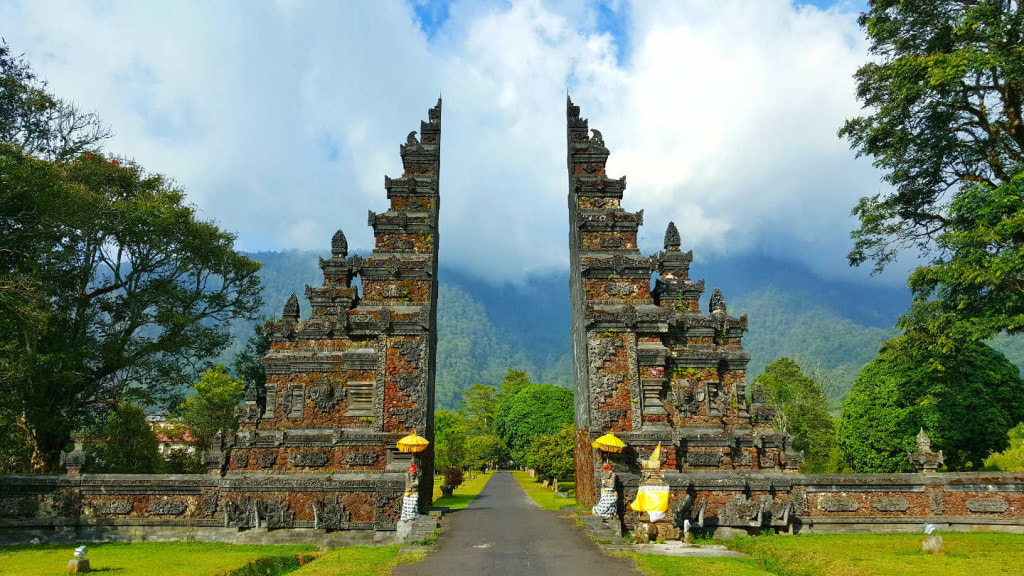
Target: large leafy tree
945 88
479 404
111 287
945 95
803 411
37 123
534 410
551 455
966 403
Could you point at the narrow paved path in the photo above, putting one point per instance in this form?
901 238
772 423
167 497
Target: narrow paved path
503 532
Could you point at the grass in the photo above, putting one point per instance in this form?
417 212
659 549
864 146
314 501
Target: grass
884 554
152 559
980 553
546 496
359 561
665 565
464 494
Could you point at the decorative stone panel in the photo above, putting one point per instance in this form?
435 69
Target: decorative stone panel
987 505
840 504
309 459
112 507
167 507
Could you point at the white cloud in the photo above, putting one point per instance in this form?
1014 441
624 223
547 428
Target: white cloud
280 120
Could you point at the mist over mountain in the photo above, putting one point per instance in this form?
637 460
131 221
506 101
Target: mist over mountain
485 329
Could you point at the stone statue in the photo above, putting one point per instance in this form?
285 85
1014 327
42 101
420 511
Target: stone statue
606 505
411 500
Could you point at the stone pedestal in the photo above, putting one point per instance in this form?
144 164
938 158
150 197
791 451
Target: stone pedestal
933 544
78 566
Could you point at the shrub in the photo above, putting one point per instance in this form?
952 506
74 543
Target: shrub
453 476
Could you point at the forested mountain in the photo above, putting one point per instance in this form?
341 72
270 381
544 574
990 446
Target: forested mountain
483 329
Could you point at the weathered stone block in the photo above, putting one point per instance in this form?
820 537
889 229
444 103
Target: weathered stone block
987 505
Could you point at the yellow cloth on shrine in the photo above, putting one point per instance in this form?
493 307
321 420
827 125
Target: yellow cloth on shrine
651 499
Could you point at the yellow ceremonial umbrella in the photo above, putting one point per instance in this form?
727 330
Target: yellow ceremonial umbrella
413 443
609 443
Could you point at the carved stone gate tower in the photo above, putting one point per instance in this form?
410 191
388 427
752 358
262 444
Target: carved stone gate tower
648 364
345 384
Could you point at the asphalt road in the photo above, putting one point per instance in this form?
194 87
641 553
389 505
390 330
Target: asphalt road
504 532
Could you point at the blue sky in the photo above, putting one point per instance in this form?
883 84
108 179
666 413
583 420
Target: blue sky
281 118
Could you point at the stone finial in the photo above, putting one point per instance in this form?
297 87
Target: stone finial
411 140
924 460
597 138
434 114
339 245
717 303
924 443
291 307
672 240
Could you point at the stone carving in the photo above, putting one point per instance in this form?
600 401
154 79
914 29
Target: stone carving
717 302
672 239
385 499
112 507
291 307
361 458
987 505
167 507
330 514
241 460
891 504
326 396
937 502
704 458
339 244
276 513
924 460
610 242
20 507
267 460
309 459
840 504
619 288
684 398
210 501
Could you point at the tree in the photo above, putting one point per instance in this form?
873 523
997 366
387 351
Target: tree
978 281
536 409
36 122
1011 459
479 404
127 444
248 364
111 287
449 439
965 403
945 90
803 411
211 410
485 449
551 455
515 380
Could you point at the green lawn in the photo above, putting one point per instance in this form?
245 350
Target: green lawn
151 559
464 494
358 561
668 565
976 554
546 496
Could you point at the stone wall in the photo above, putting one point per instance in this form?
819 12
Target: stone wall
730 503
256 508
